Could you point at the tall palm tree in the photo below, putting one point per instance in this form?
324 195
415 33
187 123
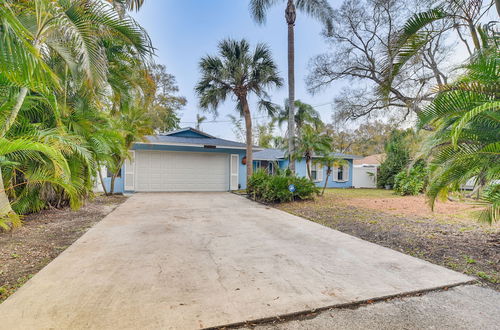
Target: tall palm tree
311 142
319 9
238 72
305 114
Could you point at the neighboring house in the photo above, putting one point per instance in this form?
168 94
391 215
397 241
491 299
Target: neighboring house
366 169
191 160
341 177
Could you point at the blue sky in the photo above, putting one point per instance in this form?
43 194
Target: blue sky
185 30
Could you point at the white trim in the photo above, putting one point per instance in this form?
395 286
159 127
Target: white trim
191 145
345 173
129 173
234 171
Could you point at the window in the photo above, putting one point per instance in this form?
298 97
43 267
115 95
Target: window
341 174
110 173
316 172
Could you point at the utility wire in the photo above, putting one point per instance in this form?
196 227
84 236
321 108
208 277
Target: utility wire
230 121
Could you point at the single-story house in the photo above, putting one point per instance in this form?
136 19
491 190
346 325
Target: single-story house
192 160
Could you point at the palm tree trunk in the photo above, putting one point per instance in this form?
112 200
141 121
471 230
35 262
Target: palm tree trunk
249 137
328 172
15 110
102 179
291 15
308 167
5 207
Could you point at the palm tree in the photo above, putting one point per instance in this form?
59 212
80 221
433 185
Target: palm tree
199 120
239 72
466 141
309 143
305 114
319 9
329 160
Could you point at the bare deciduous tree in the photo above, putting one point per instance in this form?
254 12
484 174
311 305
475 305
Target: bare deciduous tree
360 48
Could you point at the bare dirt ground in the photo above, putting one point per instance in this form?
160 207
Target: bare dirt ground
43 237
450 236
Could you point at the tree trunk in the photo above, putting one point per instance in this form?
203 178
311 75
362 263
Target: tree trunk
249 137
112 185
5 207
328 172
473 34
102 180
291 15
308 167
15 110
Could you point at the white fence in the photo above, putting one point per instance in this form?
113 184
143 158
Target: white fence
365 177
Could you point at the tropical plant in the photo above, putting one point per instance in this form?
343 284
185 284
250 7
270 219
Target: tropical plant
411 181
329 161
275 188
66 68
239 72
311 142
465 143
319 9
199 120
397 158
305 114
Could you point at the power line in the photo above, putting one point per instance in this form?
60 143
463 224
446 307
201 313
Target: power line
230 121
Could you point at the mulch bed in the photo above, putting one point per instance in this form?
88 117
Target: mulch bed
471 248
44 235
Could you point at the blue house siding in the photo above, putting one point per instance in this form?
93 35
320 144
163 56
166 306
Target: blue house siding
119 184
301 170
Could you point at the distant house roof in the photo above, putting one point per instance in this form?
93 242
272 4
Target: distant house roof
375 160
191 137
278 154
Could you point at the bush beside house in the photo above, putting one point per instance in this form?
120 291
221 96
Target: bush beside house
411 181
269 188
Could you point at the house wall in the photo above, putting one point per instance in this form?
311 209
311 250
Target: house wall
301 170
120 184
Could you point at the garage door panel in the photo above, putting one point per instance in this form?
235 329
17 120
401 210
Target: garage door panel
181 171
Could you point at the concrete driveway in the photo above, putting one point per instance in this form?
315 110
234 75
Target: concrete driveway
194 260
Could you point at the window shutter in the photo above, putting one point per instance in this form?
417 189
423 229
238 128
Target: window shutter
234 172
346 172
335 173
129 173
319 171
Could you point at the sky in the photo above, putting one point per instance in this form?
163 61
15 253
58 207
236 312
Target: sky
183 31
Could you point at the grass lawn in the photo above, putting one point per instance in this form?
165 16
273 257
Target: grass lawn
44 235
449 236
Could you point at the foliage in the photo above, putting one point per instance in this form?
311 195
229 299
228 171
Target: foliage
270 188
465 143
397 158
71 75
165 104
368 139
411 181
311 142
305 114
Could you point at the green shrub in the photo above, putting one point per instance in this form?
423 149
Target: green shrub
411 182
397 158
274 188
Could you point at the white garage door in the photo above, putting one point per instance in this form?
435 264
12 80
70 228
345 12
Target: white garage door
181 171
